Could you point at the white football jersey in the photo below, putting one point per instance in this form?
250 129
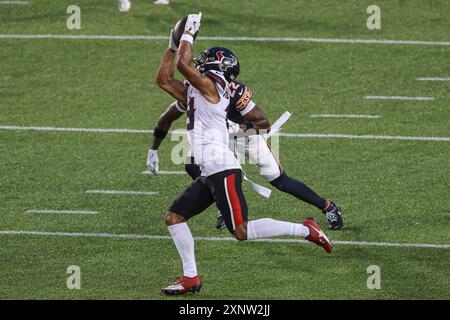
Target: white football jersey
207 128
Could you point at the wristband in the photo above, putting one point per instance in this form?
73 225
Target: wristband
187 37
158 133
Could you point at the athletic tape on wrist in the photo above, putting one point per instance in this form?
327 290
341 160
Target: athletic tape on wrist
187 37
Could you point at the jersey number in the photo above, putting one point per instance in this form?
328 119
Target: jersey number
190 114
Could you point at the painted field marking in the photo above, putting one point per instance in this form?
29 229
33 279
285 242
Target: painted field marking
61 212
281 134
364 137
53 129
165 172
162 237
219 38
119 192
357 116
14 2
433 79
397 98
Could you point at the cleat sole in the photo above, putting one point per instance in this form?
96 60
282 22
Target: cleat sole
192 290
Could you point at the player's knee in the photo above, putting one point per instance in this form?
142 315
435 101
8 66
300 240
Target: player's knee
173 218
240 233
279 182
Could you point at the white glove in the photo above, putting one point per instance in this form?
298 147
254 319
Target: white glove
172 45
153 161
193 23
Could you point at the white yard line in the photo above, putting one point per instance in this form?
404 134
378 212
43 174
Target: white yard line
282 134
119 192
397 98
165 172
61 212
364 137
74 129
433 79
14 2
220 38
161 237
357 116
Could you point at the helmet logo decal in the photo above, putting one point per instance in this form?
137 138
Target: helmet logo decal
219 55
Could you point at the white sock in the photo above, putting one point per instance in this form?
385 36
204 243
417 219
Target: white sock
268 228
184 242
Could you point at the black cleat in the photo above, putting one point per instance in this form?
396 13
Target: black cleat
220 224
334 216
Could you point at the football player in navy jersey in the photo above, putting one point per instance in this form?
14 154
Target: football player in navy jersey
244 112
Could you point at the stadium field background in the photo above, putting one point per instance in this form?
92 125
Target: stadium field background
391 190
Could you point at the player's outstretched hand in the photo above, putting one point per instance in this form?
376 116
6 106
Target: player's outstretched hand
172 45
193 23
153 161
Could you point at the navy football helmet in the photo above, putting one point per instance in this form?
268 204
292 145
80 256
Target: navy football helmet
219 59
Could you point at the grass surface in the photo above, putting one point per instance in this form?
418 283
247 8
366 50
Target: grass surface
390 191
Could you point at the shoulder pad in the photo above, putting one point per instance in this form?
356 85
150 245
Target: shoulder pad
240 94
217 77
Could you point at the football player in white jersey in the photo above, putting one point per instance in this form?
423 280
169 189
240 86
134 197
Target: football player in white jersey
207 98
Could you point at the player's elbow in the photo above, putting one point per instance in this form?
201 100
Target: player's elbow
161 81
264 124
164 83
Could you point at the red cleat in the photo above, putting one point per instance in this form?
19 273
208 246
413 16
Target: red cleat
316 235
184 285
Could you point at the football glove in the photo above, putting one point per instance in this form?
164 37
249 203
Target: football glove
153 161
172 45
193 23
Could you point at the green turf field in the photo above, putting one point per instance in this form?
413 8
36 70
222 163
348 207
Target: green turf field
393 191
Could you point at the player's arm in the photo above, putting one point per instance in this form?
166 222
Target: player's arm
254 116
256 119
203 83
185 62
172 113
165 77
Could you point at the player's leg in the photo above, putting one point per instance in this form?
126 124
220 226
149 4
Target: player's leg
192 169
301 191
230 200
194 200
269 228
260 154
